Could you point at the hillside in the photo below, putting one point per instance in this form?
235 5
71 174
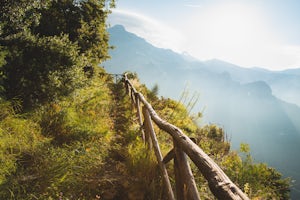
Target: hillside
88 146
242 101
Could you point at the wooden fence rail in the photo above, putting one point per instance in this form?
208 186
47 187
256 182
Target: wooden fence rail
219 183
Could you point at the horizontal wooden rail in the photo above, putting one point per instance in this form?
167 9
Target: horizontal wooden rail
219 183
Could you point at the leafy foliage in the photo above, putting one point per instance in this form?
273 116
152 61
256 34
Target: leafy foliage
82 21
258 180
3 54
49 45
41 69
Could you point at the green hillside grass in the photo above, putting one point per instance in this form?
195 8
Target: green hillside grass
88 146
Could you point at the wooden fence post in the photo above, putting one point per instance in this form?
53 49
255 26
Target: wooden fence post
178 179
139 116
186 177
127 85
147 130
132 95
158 154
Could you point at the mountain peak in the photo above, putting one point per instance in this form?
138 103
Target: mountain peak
260 88
118 27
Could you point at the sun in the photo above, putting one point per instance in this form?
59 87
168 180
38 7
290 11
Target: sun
232 25
234 32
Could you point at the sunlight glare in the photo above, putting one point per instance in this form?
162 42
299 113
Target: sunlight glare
232 25
231 32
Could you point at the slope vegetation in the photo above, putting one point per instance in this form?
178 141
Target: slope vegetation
88 146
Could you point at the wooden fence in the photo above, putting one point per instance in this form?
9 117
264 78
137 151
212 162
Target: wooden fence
219 183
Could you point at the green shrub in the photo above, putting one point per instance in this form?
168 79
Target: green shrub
53 68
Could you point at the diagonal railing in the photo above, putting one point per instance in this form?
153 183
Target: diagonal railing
219 183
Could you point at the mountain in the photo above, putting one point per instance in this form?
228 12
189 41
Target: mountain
292 71
150 60
254 106
135 54
285 84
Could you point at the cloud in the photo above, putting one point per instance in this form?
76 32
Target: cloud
155 32
292 52
193 5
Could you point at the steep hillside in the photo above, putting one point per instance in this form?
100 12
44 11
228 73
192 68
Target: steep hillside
85 146
88 146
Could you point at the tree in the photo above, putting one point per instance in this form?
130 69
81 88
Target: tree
3 53
41 69
82 21
19 16
2 56
49 42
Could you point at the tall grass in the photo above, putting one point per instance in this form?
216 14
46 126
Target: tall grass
59 149
88 146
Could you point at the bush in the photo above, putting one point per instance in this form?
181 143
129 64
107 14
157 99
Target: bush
41 69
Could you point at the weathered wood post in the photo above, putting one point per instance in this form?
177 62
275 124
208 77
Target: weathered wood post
129 88
127 85
132 94
178 179
147 130
139 116
158 154
184 175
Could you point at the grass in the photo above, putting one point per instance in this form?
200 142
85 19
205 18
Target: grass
88 146
59 149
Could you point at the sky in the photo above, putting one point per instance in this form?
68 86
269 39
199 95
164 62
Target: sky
248 33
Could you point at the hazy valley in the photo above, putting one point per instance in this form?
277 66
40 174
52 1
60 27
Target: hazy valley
255 106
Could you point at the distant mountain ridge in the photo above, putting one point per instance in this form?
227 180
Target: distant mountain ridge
285 84
251 104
